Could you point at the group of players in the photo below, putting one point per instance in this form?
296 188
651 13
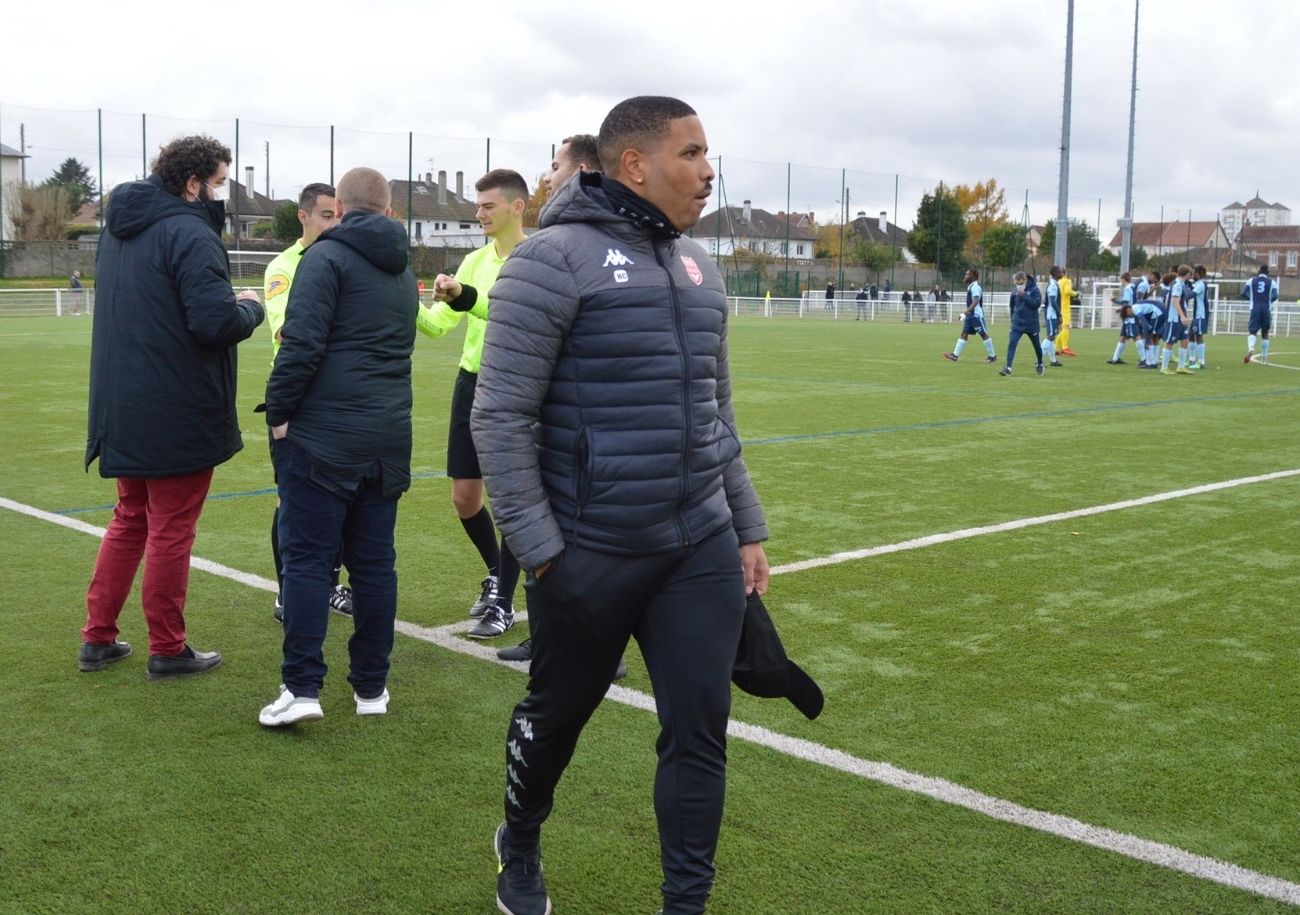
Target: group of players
1156 312
502 199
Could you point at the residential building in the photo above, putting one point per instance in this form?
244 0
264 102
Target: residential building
1255 212
1159 239
439 218
1277 246
881 231
746 229
11 177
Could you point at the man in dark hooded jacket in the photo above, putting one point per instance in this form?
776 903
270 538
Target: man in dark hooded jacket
339 406
1026 299
162 393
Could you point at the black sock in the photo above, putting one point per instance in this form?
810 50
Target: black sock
483 533
509 577
275 548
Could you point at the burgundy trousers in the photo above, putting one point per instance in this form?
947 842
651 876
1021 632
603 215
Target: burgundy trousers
154 520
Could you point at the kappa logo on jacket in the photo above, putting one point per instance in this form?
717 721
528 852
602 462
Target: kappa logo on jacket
616 258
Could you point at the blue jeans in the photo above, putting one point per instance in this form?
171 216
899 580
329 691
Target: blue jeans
321 513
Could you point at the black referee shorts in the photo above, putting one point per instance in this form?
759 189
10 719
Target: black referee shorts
462 456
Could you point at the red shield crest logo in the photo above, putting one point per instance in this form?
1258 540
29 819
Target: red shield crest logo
693 270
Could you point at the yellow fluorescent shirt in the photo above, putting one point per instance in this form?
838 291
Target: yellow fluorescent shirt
1067 295
480 270
279 277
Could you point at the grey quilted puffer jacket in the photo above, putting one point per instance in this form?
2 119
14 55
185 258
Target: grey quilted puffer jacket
603 412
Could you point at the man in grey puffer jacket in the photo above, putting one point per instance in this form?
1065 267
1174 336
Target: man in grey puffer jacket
608 444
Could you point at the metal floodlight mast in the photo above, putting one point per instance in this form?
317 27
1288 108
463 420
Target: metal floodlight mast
1062 200
1126 224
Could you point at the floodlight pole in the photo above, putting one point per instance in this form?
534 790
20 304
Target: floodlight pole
1063 195
1126 224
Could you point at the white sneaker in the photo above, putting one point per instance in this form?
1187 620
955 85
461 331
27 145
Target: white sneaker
375 706
290 709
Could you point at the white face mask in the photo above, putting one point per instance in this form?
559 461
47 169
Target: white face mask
219 192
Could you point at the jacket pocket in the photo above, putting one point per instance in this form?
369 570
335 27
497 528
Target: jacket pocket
584 462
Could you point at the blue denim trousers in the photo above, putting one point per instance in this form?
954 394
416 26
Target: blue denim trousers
320 514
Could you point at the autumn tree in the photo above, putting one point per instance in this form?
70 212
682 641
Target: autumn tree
983 205
939 234
38 213
533 212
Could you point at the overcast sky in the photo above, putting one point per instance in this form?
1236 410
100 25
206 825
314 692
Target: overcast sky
928 89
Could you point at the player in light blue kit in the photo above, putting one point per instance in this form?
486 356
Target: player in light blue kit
1262 293
1052 317
1128 323
973 323
1200 315
1177 291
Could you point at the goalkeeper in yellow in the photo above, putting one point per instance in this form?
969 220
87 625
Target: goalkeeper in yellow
1067 298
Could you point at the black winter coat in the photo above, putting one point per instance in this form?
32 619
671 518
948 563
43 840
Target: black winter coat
342 377
162 358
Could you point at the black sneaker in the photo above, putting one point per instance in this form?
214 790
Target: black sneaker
521 652
488 598
1040 368
1005 371
520 887
1058 364
341 600
98 655
990 358
494 622
279 608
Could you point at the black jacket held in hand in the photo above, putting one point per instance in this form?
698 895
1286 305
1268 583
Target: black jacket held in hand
162 358
342 378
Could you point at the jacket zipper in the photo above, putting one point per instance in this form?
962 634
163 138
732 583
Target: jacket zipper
683 480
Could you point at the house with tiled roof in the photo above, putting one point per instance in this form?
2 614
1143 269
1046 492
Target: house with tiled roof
1277 246
439 216
881 231
1160 238
247 208
11 176
731 230
1256 212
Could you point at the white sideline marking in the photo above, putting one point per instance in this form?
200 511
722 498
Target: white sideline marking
1166 856
933 539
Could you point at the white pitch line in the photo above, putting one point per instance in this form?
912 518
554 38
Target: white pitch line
934 539
1166 856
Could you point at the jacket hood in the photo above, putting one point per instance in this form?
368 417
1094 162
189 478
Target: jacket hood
580 199
378 238
136 205
1030 282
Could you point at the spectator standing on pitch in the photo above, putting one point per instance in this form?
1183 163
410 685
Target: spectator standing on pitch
1262 293
1026 299
973 319
1052 316
861 298
502 199
907 306
932 304
607 436
1067 301
338 405
830 295
75 300
317 211
162 393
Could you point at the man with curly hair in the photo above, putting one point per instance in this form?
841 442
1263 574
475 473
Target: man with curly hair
162 393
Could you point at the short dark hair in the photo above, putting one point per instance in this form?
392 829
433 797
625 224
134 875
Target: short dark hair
583 150
974 272
1199 270
1263 268
509 181
307 199
189 157
637 122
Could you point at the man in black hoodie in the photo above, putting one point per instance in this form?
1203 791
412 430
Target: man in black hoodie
339 406
162 393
